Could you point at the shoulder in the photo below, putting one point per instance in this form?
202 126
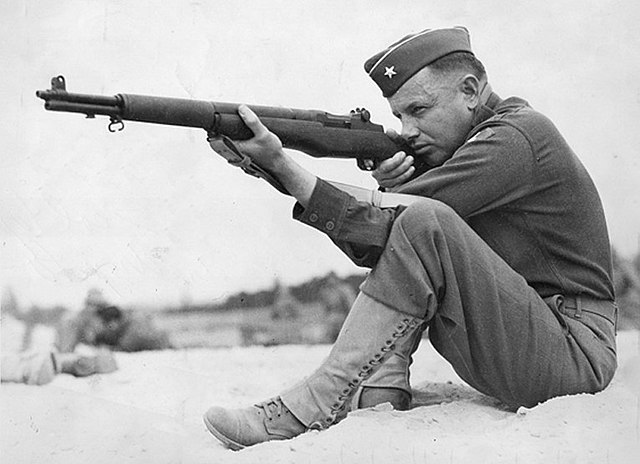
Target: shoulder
517 113
495 137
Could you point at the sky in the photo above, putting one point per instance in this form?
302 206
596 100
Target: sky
152 216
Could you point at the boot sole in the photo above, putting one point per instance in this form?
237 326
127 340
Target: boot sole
224 439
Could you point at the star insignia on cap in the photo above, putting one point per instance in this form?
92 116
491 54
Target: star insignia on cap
390 72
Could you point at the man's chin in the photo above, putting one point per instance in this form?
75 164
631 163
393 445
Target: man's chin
432 159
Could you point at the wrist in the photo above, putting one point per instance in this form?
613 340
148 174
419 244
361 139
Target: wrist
278 163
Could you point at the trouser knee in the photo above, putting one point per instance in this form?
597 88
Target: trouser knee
411 272
425 216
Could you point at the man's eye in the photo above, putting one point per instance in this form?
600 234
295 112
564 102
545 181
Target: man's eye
419 110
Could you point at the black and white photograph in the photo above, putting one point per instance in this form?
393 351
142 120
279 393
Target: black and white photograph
320 232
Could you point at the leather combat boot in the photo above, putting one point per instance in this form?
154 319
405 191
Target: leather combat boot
266 421
370 336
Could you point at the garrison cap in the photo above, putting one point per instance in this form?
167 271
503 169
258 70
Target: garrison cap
395 65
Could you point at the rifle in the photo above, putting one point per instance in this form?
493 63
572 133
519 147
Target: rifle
316 133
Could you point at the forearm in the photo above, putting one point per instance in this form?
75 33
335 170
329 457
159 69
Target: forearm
299 182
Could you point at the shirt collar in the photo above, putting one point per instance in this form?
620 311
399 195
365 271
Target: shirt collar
489 100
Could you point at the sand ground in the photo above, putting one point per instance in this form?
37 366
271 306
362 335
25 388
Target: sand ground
150 411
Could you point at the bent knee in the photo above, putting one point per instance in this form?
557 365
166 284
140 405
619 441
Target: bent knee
426 213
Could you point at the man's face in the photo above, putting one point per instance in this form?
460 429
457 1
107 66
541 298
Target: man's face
436 114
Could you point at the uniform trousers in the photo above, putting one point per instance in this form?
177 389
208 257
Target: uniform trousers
498 334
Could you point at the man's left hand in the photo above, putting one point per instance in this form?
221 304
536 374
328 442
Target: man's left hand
264 148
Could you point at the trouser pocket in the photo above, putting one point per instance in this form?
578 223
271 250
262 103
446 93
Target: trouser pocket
556 305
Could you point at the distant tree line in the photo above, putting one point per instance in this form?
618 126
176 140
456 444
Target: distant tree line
626 282
626 273
306 292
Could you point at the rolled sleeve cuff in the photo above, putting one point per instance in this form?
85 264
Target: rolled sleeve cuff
326 210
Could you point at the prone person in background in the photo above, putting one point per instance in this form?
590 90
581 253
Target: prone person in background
39 368
109 326
129 331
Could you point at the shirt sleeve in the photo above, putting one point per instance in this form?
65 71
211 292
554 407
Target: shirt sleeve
357 228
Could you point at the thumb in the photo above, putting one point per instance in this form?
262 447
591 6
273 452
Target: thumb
251 120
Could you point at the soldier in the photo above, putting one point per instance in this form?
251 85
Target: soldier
80 328
41 367
104 325
505 255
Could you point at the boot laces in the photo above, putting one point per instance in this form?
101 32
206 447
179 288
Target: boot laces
271 407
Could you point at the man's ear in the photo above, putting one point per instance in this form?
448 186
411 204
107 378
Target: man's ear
470 87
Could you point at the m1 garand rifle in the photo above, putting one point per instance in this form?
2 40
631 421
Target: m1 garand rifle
316 133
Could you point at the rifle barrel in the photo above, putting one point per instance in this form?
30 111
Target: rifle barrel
102 100
85 108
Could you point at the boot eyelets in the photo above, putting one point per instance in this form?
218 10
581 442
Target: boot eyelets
317 425
401 330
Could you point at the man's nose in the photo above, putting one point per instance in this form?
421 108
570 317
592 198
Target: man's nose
409 130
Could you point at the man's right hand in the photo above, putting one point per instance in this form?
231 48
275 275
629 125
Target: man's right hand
396 170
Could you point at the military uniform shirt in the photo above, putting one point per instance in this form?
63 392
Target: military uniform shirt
517 184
